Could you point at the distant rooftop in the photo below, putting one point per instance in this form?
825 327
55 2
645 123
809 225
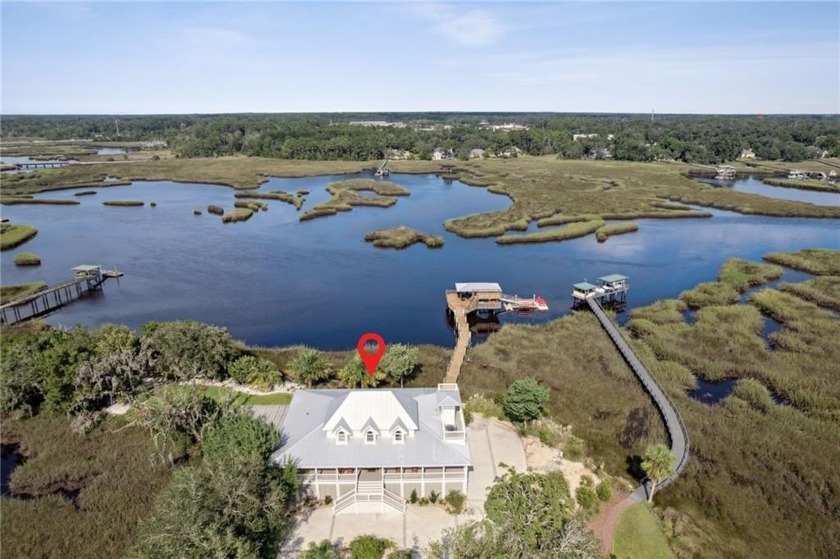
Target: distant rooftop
584 286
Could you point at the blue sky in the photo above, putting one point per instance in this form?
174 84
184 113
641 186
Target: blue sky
156 57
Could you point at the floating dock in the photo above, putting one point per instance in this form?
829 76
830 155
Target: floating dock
479 297
86 278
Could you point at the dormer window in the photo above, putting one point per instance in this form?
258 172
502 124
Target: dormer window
370 436
341 437
399 436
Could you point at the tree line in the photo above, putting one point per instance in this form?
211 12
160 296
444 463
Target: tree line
688 138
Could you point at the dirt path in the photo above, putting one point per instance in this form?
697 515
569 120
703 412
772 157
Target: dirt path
604 523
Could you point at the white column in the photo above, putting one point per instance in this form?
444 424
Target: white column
464 483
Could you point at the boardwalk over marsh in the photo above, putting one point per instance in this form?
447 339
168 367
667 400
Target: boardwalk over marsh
673 422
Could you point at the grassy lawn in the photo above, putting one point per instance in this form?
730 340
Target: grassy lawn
639 535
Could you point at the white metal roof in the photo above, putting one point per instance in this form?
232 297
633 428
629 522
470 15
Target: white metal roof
359 407
477 287
307 444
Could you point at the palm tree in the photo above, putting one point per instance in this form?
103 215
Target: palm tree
658 463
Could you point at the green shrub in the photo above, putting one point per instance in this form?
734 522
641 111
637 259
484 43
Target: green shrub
585 494
524 400
433 497
423 501
574 448
456 500
328 500
401 554
254 370
413 499
548 437
323 550
482 405
369 546
604 490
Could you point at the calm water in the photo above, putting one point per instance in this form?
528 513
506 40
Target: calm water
754 185
276 281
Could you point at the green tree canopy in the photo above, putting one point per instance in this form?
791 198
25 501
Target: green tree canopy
310 367
524 400
658 463
399 362
535 506
185 350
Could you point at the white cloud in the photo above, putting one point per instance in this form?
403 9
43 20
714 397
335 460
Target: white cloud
475 27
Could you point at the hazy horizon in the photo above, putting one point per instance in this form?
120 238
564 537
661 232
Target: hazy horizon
66 58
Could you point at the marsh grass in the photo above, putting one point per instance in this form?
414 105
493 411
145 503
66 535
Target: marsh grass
762 479
606 231
279 195
9 293
27 259
570 231
807 184
124 203
735 277
215 210
823 291
85 193
15 234
108 471
18 201
237 214
251 205
591 387
402 237
817 261
344 197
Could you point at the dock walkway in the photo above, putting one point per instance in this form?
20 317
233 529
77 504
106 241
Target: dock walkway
673 422
52 297
459 308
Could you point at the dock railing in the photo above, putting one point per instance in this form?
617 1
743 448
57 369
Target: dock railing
674 423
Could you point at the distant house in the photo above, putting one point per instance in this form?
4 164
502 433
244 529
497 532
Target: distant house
476 153
370 449
512 151
440 154
747 153
397 154
577 137
508 127
154 144
377 123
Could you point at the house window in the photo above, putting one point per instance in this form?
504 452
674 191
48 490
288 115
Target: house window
341 437
370 437
399 436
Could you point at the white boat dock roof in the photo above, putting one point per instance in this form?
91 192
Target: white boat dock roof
477 287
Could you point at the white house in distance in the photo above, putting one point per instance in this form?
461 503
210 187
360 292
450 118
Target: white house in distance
368 449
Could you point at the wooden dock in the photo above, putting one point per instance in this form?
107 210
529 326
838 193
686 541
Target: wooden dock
86 279
459 308
673 422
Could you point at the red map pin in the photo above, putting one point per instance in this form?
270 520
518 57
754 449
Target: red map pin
371 360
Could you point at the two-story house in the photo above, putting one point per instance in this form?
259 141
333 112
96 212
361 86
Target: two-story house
369 449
